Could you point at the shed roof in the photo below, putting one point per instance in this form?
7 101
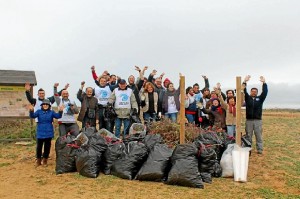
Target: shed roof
17 77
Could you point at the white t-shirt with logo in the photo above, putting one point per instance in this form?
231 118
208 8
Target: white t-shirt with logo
123 98
103 94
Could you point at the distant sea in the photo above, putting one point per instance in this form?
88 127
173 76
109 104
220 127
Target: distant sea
281 106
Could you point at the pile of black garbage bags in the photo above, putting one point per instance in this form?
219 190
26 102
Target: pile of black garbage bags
142 157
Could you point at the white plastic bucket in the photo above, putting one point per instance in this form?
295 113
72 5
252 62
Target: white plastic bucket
240 158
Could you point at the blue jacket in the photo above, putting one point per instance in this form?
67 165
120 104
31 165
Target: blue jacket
254 105
44 126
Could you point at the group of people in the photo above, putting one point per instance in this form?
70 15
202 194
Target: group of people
113 101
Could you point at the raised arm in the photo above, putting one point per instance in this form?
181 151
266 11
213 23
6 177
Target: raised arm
55 94
206 82
94 75
246 79
28 95
79 93
151 75
264 93
222 102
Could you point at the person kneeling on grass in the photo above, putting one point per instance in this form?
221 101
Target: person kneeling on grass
44 130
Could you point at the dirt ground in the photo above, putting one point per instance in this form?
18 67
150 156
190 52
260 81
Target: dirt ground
267 177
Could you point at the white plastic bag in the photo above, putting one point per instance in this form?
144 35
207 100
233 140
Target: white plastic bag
226 162
240 157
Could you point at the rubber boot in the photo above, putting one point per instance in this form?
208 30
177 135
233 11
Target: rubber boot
45 162
38 162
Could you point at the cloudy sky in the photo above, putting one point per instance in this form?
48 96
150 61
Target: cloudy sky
61 40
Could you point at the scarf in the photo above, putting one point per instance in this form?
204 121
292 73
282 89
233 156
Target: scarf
217 108
232 109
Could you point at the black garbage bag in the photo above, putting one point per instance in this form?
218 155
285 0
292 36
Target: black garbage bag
184 171
134 116
217 170
97 142
89 131
152 139
226 139
88 162
207 160
114 151
184 150
206 177
65 155
128 166
219 149
137 128
157 164
109 113
209 138
245 141
133 138
81 139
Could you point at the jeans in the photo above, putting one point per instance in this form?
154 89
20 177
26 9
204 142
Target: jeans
231 130
148 116
256 127
118 123
40 142
190 118
172 116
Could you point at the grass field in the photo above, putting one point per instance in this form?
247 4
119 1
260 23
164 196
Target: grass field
275 174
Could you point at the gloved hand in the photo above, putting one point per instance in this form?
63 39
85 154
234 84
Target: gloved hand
200 119
199 105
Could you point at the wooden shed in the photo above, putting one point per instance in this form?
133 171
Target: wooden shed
13 101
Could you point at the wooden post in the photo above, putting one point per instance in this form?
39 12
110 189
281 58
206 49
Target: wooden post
182 110
238 139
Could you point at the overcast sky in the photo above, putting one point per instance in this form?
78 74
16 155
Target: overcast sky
61 40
